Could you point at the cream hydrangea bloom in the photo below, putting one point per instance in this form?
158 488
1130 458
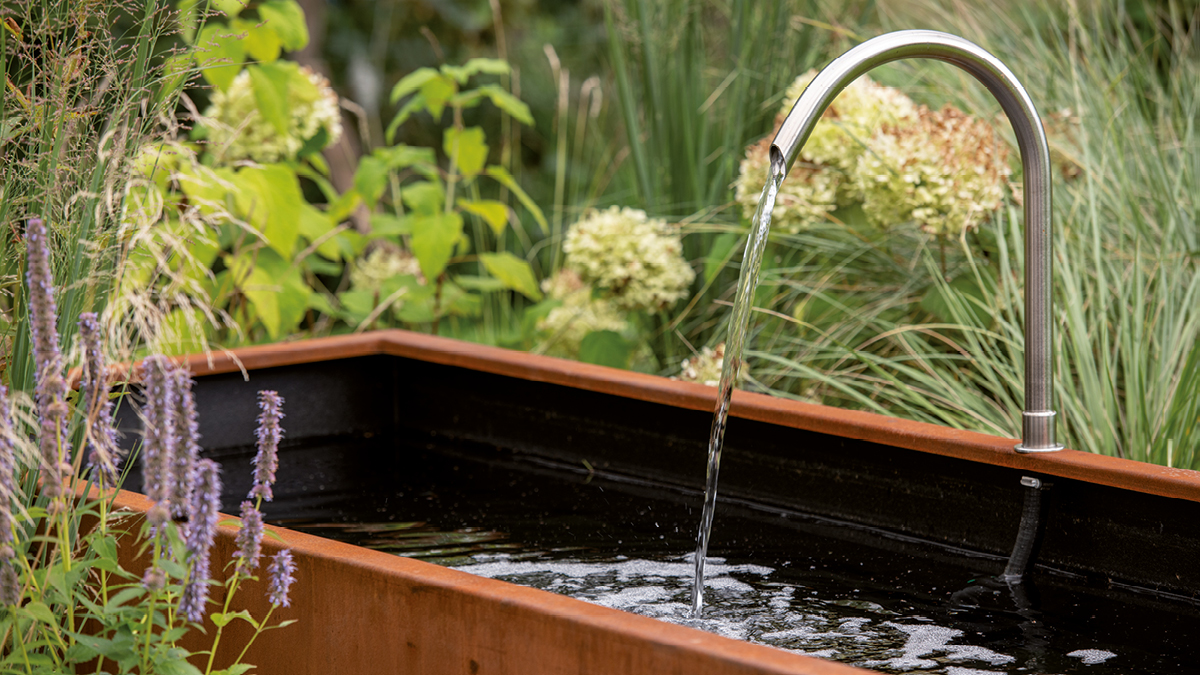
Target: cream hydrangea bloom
946 172
860 109
637 259
238 131
804 199
369 273
579 314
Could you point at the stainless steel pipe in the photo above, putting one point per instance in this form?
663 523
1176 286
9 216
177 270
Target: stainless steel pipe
1037 420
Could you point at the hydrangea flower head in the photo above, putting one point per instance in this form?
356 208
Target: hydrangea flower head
804 199
579 314
237 130
946 171
637 259
369 273
704 367
840 137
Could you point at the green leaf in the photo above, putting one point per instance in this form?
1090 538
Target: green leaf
40 612
425 197
278 293
433 240
414 104
177 333
605 348
320 302
371 178
514 272
271 199
313 225
219 53
221 620
475 66
178 666
467 150
404 156
270 83
229 8
208 189
960 301
385 225
507 102
341 208
412 82
286 18
262 42
718 255
436 92
503 177
494 213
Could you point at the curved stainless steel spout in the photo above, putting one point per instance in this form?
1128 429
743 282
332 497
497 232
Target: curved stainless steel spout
1038 416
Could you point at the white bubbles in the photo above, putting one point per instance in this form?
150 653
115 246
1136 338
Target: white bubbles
1091 657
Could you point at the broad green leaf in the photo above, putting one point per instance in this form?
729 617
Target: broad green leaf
605 348
229 8
281 280
176 70
718 255
318 265
386 225
271 199
40 612
270 83
176 666
433 240
412 82
352 244
341 208
208 189
321 303
494 213
219 53
507 102
475 66
219 619
181 332
427 198
262 42
436 91
314 224
514 272
190 12
503 177
467 150
371 178
458 302
356 305
286 18
404 156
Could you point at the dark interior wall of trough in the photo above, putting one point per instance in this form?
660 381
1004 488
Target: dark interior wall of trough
1105 534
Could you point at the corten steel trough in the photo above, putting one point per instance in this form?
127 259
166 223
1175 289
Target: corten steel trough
1108 523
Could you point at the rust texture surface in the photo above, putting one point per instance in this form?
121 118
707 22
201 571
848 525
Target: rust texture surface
365 612
919 436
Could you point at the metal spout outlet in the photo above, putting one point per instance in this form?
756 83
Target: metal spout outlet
1038 416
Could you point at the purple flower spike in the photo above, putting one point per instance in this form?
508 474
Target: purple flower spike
249 539
269 434
158 443
282 572
51 390
10 583
202 529
186 448
101 436
8 461
155 579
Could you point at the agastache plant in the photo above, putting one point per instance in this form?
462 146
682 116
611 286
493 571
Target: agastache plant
249 539
269 434
202 529
158 441
282 571
103 452
51 390
187 446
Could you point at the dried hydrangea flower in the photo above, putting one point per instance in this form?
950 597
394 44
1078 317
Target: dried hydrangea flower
282 575
946 172
840 136
565 326
807 196
158 438
705 367
187 448
249 539
369 273
51 389
103 451
637 259
269 433
237 130
202 529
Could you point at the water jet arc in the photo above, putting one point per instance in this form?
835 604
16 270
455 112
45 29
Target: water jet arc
1037 420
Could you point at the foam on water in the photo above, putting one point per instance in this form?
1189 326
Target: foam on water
745 604
1091 657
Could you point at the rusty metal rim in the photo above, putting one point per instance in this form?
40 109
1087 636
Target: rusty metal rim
918 436
736 655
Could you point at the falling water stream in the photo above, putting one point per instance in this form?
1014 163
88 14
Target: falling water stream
732 364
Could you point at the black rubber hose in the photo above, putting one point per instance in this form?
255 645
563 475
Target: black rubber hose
1027 535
